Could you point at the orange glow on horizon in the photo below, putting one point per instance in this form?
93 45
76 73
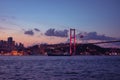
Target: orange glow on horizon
32 40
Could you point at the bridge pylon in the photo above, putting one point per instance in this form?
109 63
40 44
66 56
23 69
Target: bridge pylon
72 42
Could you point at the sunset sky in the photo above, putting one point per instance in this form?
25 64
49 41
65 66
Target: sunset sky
49 21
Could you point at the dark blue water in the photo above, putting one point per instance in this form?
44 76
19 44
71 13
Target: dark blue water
60 68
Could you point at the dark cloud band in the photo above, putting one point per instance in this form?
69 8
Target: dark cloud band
29 32
57 33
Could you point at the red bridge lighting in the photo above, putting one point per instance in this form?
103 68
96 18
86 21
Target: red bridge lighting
72 42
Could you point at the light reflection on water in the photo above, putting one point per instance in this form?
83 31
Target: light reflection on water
60 68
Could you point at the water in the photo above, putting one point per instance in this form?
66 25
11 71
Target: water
60 68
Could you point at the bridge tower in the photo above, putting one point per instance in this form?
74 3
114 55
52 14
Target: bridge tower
72 42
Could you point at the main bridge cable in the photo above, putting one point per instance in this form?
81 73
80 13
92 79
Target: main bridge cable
105 42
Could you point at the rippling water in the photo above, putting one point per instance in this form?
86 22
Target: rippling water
60 68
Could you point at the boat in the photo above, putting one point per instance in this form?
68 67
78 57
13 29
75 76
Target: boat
57 54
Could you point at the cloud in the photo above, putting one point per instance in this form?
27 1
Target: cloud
32 32
29 32
36 29
5 18
57 33
2 27
117 44
96 36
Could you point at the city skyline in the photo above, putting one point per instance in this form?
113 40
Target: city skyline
11 47
49 21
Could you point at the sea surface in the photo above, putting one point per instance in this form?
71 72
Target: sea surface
59 67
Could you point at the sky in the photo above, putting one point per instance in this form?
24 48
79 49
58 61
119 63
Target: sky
49 21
